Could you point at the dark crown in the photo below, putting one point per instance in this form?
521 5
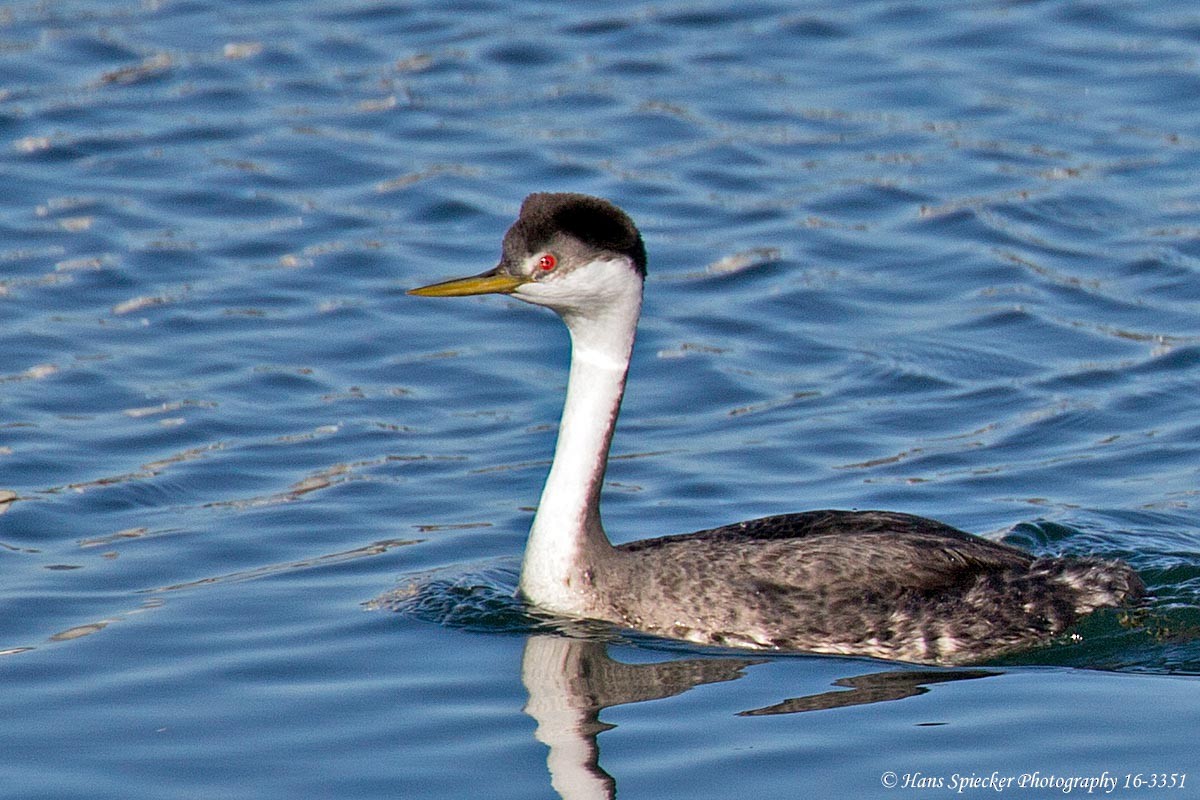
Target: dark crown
592 220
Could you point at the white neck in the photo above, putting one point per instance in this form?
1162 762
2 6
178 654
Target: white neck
567 540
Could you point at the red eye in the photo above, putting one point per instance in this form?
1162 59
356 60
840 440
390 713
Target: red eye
547 262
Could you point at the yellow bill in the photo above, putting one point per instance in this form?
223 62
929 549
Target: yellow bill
491 282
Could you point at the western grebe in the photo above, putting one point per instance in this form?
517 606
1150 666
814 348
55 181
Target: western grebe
871 583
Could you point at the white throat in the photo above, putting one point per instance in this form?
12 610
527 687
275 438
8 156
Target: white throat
567 541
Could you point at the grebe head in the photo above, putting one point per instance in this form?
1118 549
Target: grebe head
574 253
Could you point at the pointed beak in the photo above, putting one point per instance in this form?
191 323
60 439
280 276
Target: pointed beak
493 281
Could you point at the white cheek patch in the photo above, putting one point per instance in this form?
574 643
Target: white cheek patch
590 288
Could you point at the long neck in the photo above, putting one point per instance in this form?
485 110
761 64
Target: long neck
567 540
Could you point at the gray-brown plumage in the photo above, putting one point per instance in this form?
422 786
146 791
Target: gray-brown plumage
870 583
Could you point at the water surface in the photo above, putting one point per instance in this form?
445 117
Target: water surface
263 512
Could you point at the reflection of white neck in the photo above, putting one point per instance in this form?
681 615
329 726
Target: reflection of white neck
565 723
567 539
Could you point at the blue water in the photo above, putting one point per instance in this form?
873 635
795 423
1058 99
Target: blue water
263 512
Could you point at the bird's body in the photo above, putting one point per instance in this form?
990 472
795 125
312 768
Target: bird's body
868 583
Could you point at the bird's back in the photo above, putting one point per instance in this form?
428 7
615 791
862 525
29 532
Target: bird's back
855 582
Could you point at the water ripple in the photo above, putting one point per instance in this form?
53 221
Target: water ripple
937 259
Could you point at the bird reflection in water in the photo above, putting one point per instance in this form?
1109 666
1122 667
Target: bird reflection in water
570 681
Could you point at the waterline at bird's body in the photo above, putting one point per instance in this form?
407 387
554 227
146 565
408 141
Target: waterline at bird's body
853 582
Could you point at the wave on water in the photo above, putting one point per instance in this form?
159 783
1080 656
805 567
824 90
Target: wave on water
477 597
